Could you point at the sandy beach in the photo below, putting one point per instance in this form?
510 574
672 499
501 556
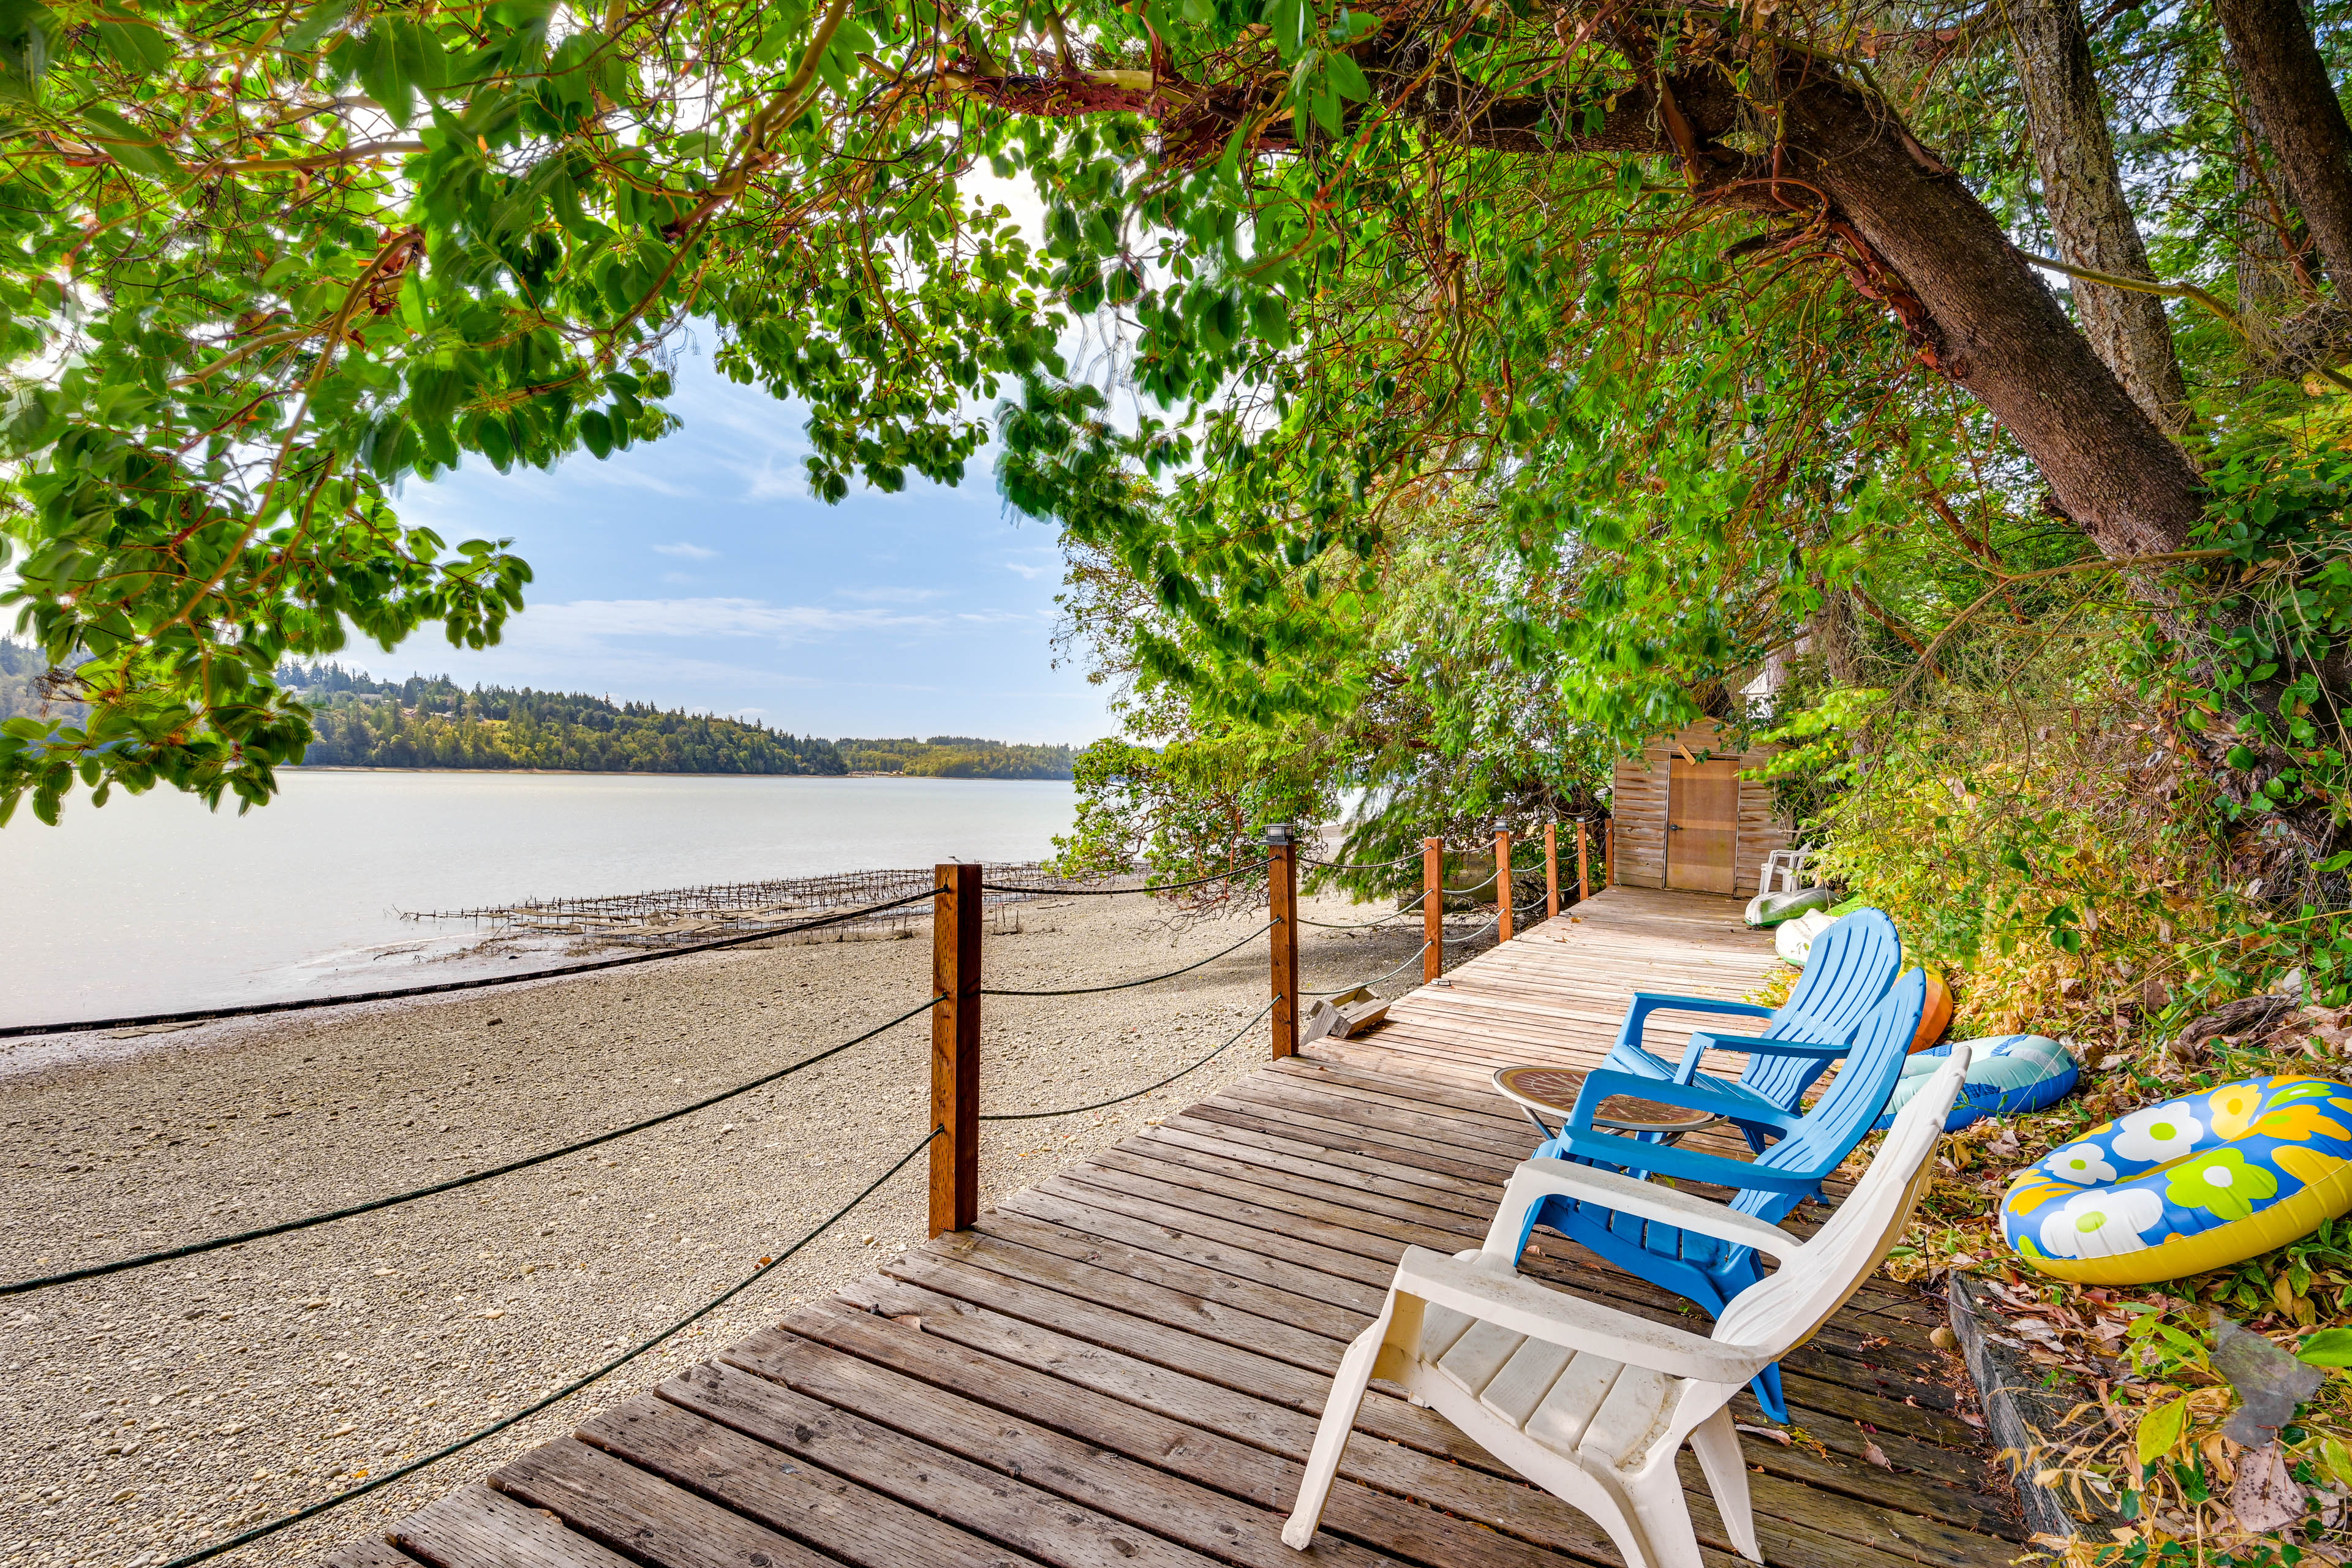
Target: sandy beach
154 1410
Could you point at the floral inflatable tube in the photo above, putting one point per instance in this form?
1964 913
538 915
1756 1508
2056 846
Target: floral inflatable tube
2197 1182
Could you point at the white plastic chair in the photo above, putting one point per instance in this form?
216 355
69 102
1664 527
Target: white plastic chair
1591 1402
1780 870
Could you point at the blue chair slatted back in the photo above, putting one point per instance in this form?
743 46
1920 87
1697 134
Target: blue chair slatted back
1847 974
1827 1134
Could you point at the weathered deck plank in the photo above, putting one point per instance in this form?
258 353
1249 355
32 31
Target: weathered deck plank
1123 1366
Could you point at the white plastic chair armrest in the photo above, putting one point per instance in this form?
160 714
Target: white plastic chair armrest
1544 1178
1574 1322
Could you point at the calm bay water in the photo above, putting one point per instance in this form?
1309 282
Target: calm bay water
154 904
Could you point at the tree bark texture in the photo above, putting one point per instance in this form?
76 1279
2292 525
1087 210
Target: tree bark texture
2294 104
2089 218
1985 320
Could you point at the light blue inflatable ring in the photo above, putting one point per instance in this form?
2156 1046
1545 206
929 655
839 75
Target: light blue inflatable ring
2008 1073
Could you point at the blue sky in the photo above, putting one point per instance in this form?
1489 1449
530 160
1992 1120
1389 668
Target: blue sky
699 572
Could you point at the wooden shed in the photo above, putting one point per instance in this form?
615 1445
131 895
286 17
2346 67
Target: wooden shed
1683 818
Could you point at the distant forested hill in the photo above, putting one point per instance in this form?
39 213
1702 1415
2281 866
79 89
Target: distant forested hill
434 724
956 757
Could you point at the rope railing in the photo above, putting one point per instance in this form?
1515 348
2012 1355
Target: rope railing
1412 958
1146 980
1134 1094
1358 865
301 1003
1474 846
767 1266
1115 892
956 1039
1474 936
213 1244
1367 925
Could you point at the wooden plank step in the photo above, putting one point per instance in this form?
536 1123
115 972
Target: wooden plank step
640 1513
474 1527
1262 1482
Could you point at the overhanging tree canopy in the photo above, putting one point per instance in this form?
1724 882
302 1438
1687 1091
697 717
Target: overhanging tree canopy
1691 285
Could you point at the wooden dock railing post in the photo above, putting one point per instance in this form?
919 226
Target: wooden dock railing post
955 1047
1433 908
1282 901
1583 873
1551 870
1504 893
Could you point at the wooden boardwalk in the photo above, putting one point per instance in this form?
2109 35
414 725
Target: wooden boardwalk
1122 1368
1557 993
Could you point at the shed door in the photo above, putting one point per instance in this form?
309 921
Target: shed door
1702 825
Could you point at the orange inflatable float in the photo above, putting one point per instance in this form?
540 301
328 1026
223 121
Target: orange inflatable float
1938 1015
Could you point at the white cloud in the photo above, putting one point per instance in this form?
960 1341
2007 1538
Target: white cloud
626 475
690 551
1032 572
891 596
764 483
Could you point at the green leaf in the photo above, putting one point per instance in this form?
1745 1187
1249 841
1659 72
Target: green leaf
130 145
138 47
1347 76
2161 1427
1286 21
316 23
24 29
2329 1347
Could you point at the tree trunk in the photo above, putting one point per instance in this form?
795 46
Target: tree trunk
2266 277
1986 321
2295 105
2089 218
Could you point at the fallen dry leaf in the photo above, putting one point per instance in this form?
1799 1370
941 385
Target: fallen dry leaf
2266 1495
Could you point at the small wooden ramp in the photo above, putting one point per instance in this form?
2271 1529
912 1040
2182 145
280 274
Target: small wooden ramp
1123 1367
1556 994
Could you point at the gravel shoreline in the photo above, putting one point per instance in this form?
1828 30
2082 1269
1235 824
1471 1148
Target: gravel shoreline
155 1411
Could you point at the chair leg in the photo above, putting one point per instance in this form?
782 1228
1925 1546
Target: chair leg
1766 1387
1331 1435
1663 1516
1716 1442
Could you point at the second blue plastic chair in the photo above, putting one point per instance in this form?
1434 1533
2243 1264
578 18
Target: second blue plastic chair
1851 967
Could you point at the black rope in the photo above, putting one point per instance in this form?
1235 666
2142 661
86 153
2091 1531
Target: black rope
1410 958
1113 892
1474 936
1358 865
1146 980
21 1287
203 1015
1366 925
1147 1088
766 1266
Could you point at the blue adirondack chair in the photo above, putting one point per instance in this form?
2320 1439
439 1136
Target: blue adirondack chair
1807 1147
1852 965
